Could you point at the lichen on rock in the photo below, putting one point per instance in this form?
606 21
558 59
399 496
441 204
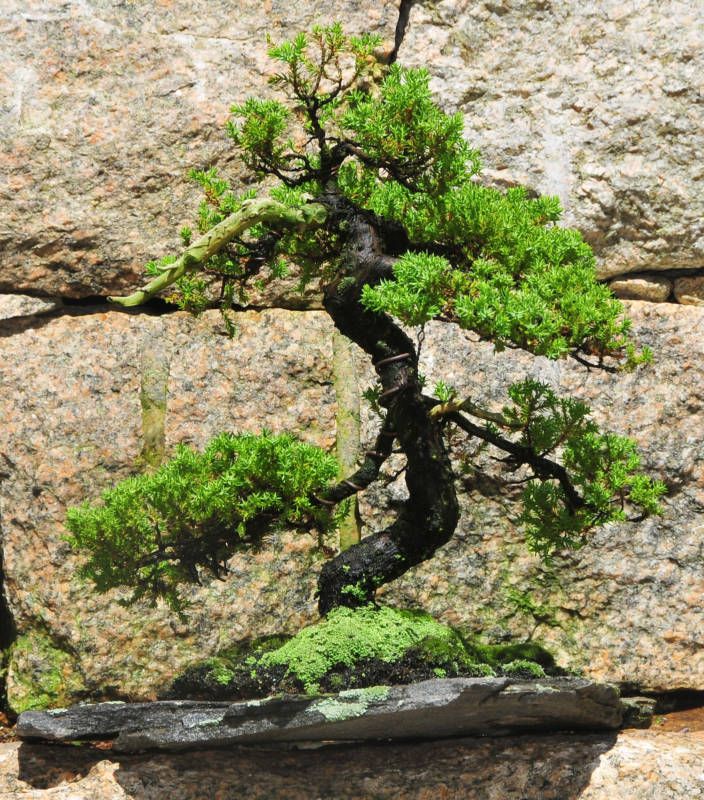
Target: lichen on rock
41 675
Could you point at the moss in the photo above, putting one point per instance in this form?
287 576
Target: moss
212 678
522 668
349 650
41 675
499 654
348 636
355 591
219 670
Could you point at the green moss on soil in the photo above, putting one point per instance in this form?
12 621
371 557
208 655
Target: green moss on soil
355 648
347 636
498 655
521 668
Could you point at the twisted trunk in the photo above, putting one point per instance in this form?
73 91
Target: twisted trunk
429 516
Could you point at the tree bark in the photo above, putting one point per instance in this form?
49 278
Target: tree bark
195 255
429 516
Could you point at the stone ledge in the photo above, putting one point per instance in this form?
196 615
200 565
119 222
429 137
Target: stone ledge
431 709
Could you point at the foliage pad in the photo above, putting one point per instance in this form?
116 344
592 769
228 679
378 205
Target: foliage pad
154 531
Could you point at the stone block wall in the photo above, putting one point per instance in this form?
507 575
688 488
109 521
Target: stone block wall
103 109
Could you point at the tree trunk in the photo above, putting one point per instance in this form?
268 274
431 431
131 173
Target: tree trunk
429 516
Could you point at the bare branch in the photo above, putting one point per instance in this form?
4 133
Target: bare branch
367 473
453 406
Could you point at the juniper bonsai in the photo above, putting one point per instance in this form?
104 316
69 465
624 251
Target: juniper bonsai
368 187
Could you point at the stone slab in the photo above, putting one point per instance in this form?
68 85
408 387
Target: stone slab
430 709
602 108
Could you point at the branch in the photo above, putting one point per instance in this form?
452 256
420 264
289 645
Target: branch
366 474
453 406
543 467
590 365
251 213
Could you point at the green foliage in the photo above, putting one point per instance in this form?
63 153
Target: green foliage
419 291
154 531
510 274
602 467
260 137
402 131
444 392
319 74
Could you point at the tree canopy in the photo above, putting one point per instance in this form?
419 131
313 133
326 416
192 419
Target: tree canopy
365 185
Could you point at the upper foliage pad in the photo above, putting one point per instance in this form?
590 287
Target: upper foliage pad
501 268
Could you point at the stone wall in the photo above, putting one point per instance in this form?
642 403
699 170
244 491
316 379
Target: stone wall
105 106
599 103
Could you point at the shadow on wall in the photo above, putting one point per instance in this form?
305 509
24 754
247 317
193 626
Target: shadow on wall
546 767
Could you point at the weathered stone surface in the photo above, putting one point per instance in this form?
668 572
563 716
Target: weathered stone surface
690 291
83 408
653 288
603 108
638 712
19 305
642 764
599 103
431 709
627 607
104 107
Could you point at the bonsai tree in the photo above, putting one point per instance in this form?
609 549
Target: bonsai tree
366 186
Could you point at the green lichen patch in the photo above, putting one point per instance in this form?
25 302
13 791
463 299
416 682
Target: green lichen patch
369 694
41 675
335 710
350 703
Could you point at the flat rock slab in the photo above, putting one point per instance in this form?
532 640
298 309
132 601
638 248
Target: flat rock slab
431 709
